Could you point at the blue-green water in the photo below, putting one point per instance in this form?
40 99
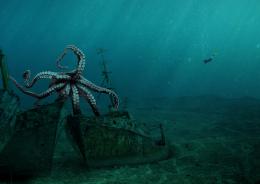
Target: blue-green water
155 48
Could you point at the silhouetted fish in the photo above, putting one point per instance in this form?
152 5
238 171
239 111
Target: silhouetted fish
208 60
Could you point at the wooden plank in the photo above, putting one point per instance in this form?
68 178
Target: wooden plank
4 70
9 107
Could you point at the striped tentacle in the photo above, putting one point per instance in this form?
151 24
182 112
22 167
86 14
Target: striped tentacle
99 89
42 95
60 59
89 97
41 75
67 90
57 87
80 56
75 99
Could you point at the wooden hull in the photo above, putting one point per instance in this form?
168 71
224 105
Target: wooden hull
113 140
9 107
29 150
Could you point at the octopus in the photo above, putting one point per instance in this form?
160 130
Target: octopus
69 84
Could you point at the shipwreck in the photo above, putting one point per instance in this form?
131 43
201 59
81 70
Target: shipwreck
28 138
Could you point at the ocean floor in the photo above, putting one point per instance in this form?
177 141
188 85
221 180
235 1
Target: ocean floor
214 140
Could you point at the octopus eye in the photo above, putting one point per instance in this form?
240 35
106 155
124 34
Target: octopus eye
26 74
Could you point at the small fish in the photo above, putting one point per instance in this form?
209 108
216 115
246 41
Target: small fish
208 60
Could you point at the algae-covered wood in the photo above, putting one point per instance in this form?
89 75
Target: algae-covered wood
30 149
3 70
9 106
114 139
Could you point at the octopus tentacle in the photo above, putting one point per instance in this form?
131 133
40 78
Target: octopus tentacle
62 93
67 90
99 89
21 88
26 74
90 98
48 92
80 56
42 95
68 84
75 99
41 75
60 58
